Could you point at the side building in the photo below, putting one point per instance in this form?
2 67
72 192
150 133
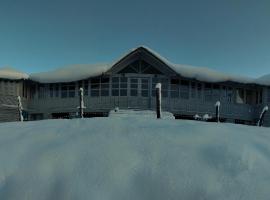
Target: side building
130 83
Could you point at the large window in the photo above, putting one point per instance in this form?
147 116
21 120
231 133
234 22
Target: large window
199 90
119 86
175 85
193 90
259 96
68 90
208 92
123 86
144 87
216 92
184 89
240 96
249 97
268 94
51 90
133 87
115 86
95 87
105 86
229 94
41 91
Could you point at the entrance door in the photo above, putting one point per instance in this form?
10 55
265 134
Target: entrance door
139 93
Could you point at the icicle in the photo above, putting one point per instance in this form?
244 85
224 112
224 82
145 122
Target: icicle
158 100
217 105
20 109
260 122
81 103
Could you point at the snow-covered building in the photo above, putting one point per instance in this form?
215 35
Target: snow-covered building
129 83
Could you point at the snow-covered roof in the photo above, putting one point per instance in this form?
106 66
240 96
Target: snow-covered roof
70 73
83 71
10 73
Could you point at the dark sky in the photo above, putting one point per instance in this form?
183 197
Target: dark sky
230 35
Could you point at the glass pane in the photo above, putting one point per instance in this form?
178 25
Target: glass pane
123 92
134 86
104 92
133 93
174 94
123 79
123 85
133 80
115 92
115 79
94 93
115 85
144 93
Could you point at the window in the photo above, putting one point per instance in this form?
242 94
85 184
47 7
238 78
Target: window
259 97
56 87
115 86
71 90
229 94
41 91
175 85
199 90
268 94
134 87
216 92
105 85
140 67
68 90
184 89
249 97
86 87
193 90
123 86
95 87
208 92
144 87
51 90
240 96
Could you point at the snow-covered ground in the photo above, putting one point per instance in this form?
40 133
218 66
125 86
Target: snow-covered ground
131 158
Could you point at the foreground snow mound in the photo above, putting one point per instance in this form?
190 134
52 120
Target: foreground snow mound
134 159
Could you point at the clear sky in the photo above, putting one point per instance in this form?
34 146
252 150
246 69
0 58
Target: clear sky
230 35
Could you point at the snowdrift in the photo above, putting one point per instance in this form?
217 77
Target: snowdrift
134 159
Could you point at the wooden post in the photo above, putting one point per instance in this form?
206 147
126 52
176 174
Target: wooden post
20 108
158 100
81 103
217 105
260 122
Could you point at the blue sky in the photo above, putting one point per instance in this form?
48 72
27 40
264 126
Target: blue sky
231 35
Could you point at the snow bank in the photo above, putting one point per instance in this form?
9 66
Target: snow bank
10 73
133 158
139 113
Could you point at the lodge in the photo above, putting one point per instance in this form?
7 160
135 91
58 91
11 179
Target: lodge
129 83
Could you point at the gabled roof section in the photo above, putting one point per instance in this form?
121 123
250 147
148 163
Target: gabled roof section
145 54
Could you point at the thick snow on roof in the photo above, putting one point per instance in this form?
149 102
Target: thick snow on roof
204 73
264 80
83 71
133 158
10 73
70 73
